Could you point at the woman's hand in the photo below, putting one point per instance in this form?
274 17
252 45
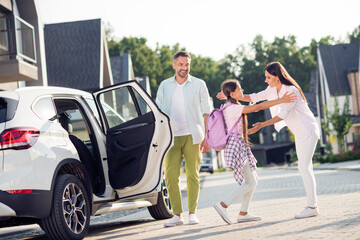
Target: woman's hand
256 127
289 97
221 96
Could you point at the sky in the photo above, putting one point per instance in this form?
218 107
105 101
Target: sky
211 28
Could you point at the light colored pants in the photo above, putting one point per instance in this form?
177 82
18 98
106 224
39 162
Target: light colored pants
305 151
183 147
245 190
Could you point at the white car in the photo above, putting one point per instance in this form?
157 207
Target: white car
67 155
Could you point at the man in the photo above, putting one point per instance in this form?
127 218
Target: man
186 100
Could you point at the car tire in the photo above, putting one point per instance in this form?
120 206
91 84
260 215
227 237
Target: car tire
162 210
70 211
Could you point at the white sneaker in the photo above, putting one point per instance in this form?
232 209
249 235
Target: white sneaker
174 221
193 219
308 212
222 212
247 218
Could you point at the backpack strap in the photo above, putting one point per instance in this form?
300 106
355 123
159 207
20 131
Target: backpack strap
222 107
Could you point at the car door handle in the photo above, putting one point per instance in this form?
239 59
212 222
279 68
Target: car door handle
128 128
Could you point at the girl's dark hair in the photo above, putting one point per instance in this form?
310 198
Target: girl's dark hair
278 70
227 87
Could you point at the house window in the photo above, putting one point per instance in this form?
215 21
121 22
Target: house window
25 40
17 39
4 44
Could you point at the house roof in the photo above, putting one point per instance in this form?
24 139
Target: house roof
73 54
338 60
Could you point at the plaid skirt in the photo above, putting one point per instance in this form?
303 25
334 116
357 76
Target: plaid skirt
236 153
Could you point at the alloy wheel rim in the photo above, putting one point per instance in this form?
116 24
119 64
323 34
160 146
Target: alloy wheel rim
74 210
165 194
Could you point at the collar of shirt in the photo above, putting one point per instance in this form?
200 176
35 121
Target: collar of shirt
188 80
283 90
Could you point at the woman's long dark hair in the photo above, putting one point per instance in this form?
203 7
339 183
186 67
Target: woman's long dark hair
278 70
227 87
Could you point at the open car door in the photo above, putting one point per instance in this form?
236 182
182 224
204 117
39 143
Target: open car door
138 136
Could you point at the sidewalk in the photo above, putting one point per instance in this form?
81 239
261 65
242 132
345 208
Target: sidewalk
347 165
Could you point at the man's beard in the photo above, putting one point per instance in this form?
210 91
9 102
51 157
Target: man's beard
183 74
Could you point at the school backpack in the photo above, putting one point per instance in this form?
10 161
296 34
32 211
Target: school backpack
216 133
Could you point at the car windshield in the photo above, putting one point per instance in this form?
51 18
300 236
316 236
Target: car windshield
206 161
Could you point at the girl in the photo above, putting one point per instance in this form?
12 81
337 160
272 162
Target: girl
299 119
238 155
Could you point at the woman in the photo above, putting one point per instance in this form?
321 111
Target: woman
299 119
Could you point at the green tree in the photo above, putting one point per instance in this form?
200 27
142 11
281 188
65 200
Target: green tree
250 61
109 31
312 48
355 35
338 123
144 59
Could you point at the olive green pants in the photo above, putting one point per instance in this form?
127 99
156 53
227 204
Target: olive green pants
183 147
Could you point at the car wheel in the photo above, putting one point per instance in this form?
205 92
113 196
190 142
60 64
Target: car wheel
70 211
162 209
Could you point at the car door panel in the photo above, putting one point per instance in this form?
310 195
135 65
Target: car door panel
128 150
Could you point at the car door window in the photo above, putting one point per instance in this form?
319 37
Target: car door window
144 107
118 106
44 108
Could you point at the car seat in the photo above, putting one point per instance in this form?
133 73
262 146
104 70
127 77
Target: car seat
84 153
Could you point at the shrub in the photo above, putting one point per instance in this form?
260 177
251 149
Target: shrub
341 157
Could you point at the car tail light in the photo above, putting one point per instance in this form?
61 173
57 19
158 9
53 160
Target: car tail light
19 138
19 191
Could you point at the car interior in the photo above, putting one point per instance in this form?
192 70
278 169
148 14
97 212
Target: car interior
72 119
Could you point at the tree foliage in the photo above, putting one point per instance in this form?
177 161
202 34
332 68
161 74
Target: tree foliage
338 123
355 35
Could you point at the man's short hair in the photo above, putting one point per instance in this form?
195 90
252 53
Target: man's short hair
181 54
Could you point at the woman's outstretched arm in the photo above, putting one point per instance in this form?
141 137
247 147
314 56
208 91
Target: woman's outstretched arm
287 98
221 96
257 126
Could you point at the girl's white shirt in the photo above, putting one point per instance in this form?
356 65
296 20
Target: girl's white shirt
296 115
232 114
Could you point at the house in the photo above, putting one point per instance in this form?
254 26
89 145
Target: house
122 70
338 69
22 49
77 55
